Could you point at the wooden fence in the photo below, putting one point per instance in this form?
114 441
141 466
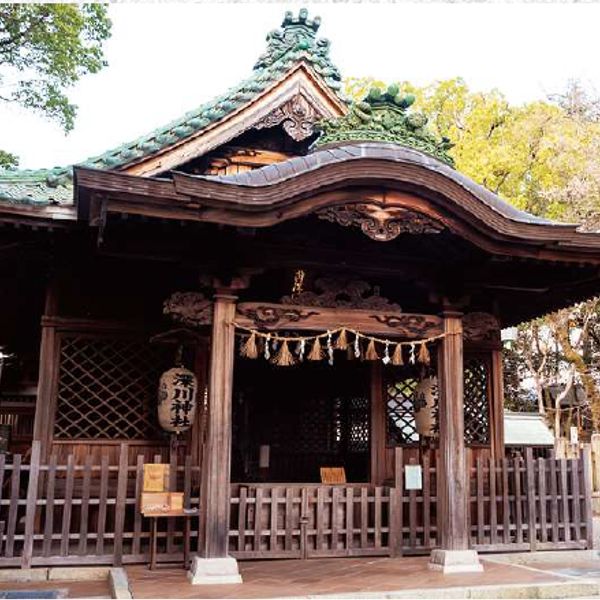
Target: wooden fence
85 513
67 513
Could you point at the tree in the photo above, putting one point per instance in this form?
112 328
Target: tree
543 157
44 50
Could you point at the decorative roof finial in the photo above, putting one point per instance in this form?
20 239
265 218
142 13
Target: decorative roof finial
382 117
297 40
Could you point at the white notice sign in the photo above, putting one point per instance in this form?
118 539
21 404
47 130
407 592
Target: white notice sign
413 477
574 435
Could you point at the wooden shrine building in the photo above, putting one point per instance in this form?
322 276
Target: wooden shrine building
338 289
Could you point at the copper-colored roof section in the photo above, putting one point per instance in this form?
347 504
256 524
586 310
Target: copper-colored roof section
385 174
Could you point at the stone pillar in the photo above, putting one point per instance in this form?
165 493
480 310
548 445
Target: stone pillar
454 555
213 565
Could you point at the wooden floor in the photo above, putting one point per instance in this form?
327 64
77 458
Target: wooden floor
277 578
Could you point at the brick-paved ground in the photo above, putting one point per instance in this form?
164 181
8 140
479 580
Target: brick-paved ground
276 578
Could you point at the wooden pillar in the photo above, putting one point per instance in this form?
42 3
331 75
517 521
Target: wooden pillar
453 483
217 459
454 555
497 406
45 406
378 426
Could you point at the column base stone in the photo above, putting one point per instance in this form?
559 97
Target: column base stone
209 571
455 561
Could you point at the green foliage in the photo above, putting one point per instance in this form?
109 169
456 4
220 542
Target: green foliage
541 156
47 48
8 160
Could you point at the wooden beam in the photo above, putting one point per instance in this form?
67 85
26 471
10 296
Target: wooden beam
316 318
497 405
378 425
214 502
452 481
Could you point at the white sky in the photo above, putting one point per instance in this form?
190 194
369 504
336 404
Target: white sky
165 59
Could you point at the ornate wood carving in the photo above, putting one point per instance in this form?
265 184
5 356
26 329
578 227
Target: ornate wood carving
339 293
298 117
191 308
271 316
480 326
380 223
411 326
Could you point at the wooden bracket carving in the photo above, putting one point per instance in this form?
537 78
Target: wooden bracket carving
379 222
298 117
339 293
191 308
480 326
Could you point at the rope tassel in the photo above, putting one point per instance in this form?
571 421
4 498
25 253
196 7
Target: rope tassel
249 348
316 352
424 358
397 358
371 353
342 341
284 357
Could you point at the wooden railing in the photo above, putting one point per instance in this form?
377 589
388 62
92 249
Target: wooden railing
64 512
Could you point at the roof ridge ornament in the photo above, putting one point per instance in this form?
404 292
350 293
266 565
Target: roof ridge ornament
383 117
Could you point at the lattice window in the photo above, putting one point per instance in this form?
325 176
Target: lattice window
358 424
401 426
476 401
107 388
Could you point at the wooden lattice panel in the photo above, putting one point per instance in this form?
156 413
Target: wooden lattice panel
476 401
107 388
400 410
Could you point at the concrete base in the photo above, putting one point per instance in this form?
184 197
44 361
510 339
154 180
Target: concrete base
209 571
455 561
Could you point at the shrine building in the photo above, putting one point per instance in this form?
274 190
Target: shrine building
319 293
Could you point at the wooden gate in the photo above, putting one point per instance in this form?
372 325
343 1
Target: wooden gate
303 521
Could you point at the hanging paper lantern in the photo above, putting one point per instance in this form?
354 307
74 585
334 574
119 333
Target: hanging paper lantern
425 400
177 399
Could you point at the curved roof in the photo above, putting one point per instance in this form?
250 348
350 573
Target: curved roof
279 173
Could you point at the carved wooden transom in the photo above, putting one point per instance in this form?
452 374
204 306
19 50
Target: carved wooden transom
339 293
379 222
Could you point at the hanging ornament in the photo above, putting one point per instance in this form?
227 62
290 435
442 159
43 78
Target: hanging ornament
316 352
371 353
424 358
267 348
412 354
274 345
342 341
300 348
356 346
284 357
177 399
249 348
329 348
386 354
397 358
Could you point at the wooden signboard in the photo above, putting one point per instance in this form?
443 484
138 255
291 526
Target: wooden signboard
156 477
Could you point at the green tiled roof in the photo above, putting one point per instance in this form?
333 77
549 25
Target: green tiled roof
296 41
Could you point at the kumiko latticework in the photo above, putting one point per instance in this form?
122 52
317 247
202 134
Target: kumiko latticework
400 410
107 388
476 402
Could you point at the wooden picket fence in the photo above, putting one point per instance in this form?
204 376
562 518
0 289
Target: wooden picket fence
55 513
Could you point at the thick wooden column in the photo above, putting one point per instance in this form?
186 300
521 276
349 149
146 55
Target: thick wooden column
454 555
453 484
217 458
45 405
